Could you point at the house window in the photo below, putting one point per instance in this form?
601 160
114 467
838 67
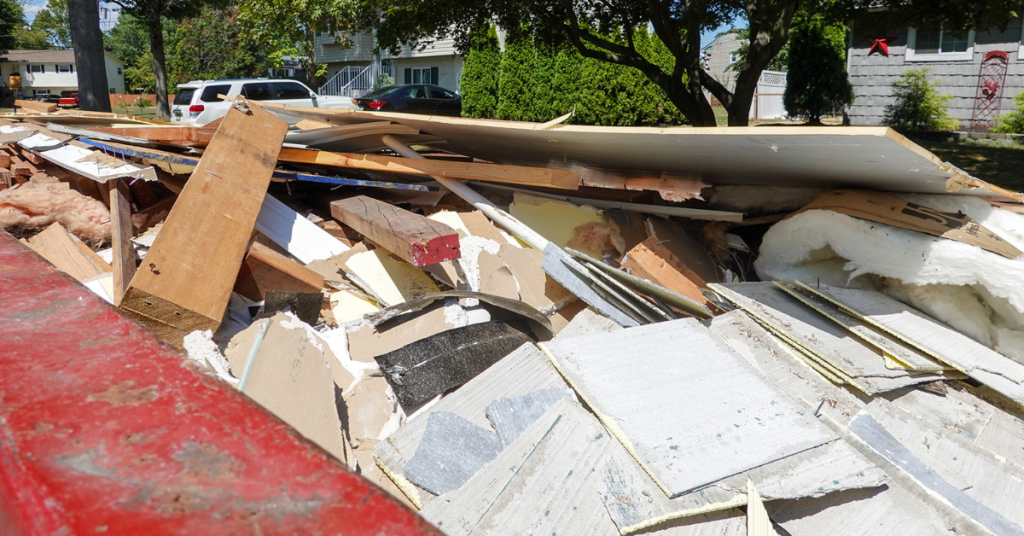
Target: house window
64 69
119 71
1020 53
421 75
938 44
37 68
38 92
732 57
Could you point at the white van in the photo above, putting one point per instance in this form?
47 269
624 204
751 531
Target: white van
197 102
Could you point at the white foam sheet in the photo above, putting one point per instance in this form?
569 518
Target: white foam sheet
687 409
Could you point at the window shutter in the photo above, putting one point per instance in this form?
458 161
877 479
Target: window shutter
433 75
72 66
408 76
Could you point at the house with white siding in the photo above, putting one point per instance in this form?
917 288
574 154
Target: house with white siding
50 72
353 68
982 69
718 57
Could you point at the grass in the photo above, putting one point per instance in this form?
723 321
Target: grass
997 163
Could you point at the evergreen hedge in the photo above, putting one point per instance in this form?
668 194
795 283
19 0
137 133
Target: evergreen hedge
479 80
515 87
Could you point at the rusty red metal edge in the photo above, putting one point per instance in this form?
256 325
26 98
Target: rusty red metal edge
105 429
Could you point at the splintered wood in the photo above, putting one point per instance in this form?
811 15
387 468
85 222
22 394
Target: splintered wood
186 279
415 239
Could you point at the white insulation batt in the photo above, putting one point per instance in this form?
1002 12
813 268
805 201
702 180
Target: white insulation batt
977 292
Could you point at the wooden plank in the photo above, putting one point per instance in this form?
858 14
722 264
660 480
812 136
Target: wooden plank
309 124
891 210
187 277
57 245
522 175
415 239
653 261
42 107
121 237
265 269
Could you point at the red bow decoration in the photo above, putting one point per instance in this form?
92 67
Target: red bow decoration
882 45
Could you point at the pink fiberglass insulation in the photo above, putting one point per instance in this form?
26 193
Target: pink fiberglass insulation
40 205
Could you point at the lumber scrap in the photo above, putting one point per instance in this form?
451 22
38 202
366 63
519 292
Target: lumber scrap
59 247
188 274
34 106
653 261
415 239
265 269
522 175
121 237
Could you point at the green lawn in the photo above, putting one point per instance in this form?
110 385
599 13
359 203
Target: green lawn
1000 164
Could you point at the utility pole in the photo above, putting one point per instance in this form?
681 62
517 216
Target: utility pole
87 40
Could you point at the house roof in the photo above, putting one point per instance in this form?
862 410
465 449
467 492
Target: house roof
39 56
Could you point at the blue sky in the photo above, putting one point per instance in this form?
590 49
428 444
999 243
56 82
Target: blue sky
108 15
707 37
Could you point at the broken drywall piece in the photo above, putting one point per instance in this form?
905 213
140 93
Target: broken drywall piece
200 347
299 236
586 322
451 451
430 366
557 220
390 280
535 287
369 341
875 435
733 418
347 306
284 366
511 416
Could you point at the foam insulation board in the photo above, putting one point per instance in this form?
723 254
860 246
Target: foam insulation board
930 336
733 418
523 372
862 366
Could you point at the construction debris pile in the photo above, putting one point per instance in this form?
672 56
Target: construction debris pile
724 331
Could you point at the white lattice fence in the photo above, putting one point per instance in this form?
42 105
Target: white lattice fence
768 98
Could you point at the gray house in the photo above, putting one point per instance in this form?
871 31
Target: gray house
718 55
982 70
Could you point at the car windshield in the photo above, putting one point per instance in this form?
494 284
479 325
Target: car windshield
382 92
184 96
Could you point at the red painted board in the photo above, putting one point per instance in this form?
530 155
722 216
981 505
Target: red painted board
106 430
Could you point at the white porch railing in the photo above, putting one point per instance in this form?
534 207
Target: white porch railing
354 80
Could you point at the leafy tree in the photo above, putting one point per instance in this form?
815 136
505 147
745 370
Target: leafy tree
128 39
12 17
270 23
515 89
918 105
210 46
28 38
543 100
152 14
779 63
138 75
479 80
53 21
565 82
1013 122
817 83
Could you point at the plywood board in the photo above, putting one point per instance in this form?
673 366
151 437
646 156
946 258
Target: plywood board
734 419
188 274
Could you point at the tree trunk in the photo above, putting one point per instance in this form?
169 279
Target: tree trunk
91 66
742 96
156 46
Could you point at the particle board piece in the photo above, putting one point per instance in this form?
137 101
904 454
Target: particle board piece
884 208
417 240
121 237
59 247
842 352
980 474
733 418
389 280
451 451
985 365
522 175
511 416
522 372
433 365
263 269
907 356
883 442
173 293
299 236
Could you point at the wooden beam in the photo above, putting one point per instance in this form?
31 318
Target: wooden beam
186 279
652 261
57 245
34 106
522 175
415 239
121 237
193 136
265 269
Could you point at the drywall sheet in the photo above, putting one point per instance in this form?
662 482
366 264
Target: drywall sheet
510 417
981 475
705 414
820 157
544 483
977 361
520 373
875 435
907 356
586 322
391 281
451 452
862 366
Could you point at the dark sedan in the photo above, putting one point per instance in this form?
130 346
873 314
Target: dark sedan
413 99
